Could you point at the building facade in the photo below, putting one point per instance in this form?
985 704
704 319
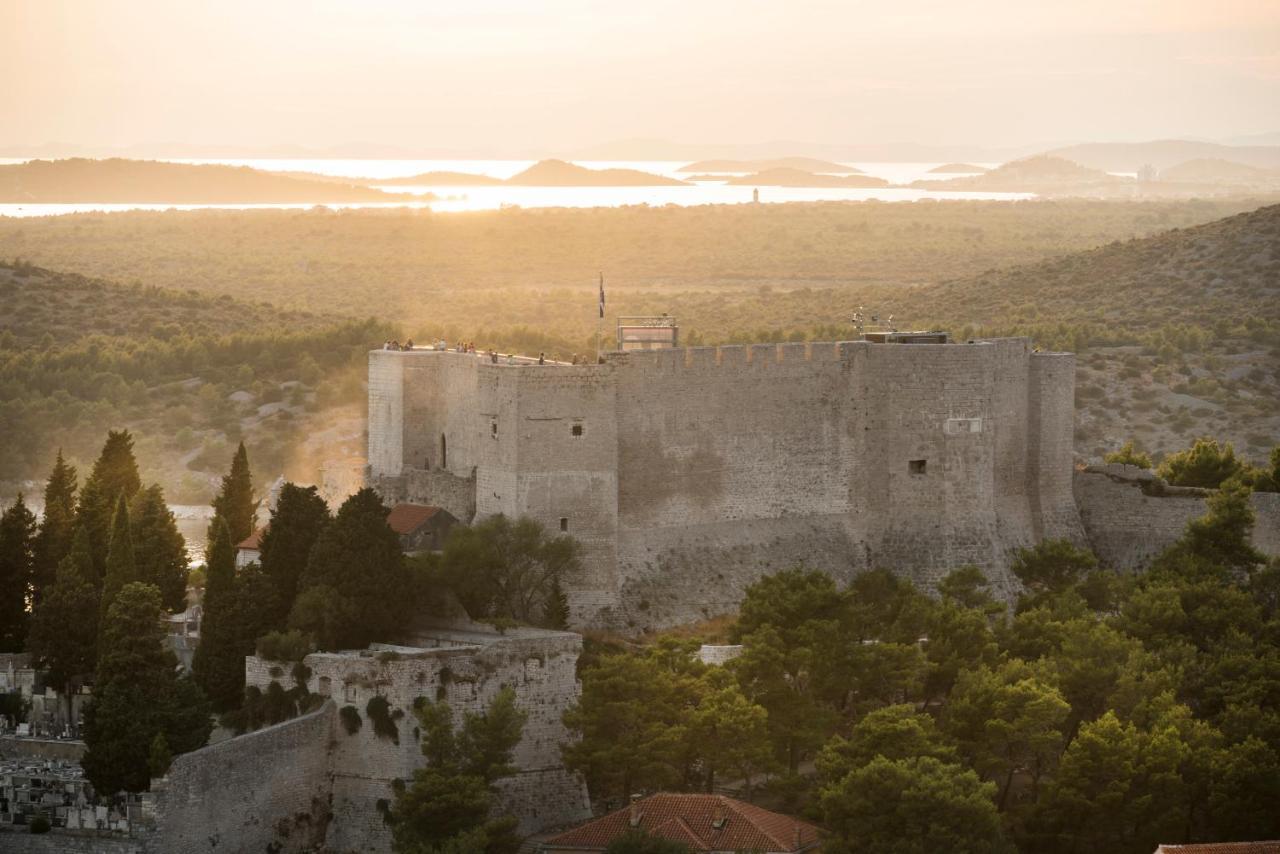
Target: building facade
687 474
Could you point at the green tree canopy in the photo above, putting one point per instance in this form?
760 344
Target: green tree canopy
508 569
17 565
122 565
115 474
159 548
893 732
1205 464
64 625
1050 568
57 527
218 664
299 516
234 503
352 592
919 805
138 695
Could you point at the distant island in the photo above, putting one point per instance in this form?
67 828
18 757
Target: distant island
79 180
968 168
558 173
1165 153
438 179
1040 174
1221 172
804 164
800 178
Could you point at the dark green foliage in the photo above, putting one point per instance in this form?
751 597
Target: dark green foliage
234 504
894 732
638 842
509 570
911 806
160 758
351 720
1221 537
39 824
1205 464
350 594
1049 568
448 803
218 663
299 517
284 646
115 474
122 566
258 709
64 626
17 564
57 527
556 614
1129 455
379 712
137 695
159 549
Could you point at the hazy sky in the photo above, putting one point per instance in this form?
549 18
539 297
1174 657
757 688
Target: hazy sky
559 75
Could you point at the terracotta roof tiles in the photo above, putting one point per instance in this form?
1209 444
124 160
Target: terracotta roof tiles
407 518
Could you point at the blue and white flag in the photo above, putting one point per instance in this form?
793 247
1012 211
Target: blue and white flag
602 295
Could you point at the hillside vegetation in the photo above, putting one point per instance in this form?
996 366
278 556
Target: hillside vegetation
190 374
149 181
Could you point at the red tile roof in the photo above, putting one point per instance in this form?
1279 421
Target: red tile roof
253 541
407 518
1269 847
692 819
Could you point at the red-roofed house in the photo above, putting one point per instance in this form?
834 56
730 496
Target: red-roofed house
421 527
249 550
710 823
1269 847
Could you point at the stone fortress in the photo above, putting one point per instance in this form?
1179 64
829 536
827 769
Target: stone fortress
687 474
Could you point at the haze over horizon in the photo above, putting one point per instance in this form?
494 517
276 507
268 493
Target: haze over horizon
497 79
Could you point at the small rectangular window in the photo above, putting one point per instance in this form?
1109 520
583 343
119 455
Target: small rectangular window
564 523
493 428
916 466
577 430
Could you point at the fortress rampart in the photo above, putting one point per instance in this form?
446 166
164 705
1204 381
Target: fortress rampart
689 473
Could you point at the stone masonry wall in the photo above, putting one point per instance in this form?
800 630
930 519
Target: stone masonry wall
67 842
1127 528
466 669
263 791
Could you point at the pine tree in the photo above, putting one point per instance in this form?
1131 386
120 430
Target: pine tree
64 625
234 504
159 547
137 696
53 542
122 567
352 591
556 615
218 664
114 474
17 537
296 523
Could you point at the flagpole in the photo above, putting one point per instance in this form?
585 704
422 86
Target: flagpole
600 317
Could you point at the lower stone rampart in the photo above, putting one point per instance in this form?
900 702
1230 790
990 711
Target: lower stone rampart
1130 516
58 841
264 791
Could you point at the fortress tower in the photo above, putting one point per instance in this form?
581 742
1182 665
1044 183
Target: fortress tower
687 474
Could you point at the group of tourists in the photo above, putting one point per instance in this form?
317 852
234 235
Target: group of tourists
470 347
396 345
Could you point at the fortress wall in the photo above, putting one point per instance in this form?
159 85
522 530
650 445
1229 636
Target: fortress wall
571 476
1127 528
1012 479
386 414
1050 426
932 403
539 666
441 401
262 791
731 461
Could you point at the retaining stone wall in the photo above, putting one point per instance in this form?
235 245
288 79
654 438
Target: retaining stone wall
66 842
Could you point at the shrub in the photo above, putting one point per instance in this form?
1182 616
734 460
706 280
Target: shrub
379 712
1130 456
284 646
1204 464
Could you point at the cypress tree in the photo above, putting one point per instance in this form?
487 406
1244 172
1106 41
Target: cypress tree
57 528
296 523
122 567
159 548
64 625
234 504
350 594
114 474
17 537
137 696
218 663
